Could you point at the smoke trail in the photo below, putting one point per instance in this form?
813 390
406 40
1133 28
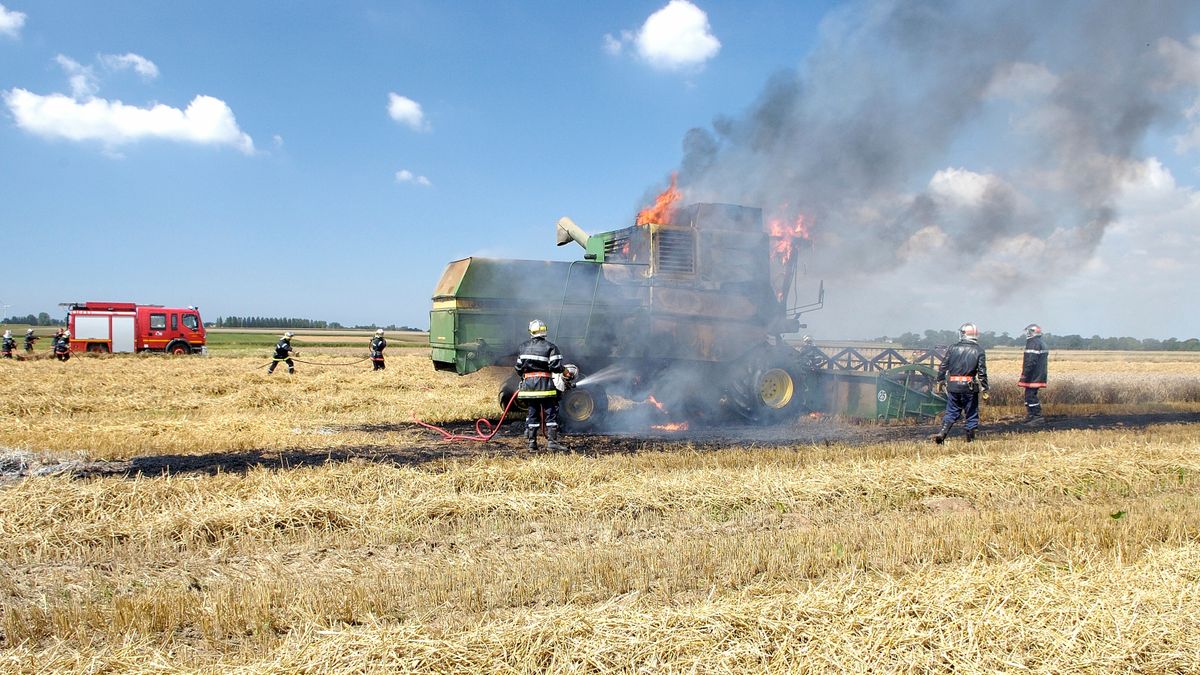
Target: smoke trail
990 139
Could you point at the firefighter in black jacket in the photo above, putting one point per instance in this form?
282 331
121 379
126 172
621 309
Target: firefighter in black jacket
963 375
378 344
284 352
62 345
9 344
538 359
1033 374
30 338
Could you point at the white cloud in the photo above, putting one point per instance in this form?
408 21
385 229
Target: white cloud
205 121
140 64
677 36
11 22
961 186
612 45
82 78
407 111
406 176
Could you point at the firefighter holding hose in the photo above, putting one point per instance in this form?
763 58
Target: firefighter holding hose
378 344
30 338
1033 374
963 376
538 359
62 345
9 344
284 352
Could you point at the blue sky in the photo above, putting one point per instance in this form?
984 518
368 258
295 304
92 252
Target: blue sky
325 160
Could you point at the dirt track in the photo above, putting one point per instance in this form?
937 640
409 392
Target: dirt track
509 442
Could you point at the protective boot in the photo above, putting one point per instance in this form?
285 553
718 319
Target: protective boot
940 436
531 439
552 440
970 435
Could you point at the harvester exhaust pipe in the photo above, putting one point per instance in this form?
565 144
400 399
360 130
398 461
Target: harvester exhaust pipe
569 232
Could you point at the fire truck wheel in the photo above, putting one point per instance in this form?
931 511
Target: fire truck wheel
507 390
98 348
179 347
582 408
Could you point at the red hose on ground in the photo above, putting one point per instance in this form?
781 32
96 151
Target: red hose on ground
484 431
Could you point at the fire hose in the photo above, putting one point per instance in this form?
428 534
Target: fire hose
311 363
484 431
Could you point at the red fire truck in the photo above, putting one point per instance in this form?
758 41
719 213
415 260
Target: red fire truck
129 327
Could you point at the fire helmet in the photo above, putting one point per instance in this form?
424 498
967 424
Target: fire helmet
8 333
807 340
66 333
379 332
537 328
1032 330
29 331
289 335
968 331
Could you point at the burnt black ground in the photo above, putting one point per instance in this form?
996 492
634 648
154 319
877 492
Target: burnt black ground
510 442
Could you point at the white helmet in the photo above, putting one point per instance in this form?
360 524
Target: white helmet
968 331
29 331
1032 330
8 333
379 332
537 328
66 333
289 335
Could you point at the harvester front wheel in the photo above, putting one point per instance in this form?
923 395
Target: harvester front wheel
582 408
767 388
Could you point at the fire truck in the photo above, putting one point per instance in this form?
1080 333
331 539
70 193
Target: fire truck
104 327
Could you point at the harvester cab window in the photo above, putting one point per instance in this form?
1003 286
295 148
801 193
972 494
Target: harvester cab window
174 322
158 321
191 322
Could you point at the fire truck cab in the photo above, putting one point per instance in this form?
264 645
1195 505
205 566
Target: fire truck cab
128 327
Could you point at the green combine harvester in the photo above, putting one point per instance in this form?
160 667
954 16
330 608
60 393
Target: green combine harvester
691 313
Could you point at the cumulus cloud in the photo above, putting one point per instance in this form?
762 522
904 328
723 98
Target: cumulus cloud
205 121
675 37
140 64
407 112
406 176
11 22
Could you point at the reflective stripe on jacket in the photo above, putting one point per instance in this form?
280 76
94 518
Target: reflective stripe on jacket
537 360
1036 364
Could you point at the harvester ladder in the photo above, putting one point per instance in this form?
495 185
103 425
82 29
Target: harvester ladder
590 305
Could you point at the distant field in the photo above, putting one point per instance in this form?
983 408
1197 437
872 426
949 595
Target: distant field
243 339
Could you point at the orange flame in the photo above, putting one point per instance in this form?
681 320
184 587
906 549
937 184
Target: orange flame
784 236
653 401
663 206
673 426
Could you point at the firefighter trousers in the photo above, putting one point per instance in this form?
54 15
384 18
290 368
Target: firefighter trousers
1033 407
291 366
377 363
542 411
962 404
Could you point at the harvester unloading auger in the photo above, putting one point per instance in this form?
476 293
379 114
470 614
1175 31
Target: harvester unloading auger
691 312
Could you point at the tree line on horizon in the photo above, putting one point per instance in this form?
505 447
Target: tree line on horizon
277 322
934 338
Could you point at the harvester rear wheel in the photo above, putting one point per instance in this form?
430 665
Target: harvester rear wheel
507 390
767 387
583 408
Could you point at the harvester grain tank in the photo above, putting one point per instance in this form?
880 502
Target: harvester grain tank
690 311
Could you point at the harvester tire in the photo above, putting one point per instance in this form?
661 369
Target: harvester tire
582 408
508 389
767 387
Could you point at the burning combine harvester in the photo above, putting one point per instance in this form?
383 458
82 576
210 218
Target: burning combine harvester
685 310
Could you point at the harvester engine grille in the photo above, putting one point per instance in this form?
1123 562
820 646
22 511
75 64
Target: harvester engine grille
675 251
618 246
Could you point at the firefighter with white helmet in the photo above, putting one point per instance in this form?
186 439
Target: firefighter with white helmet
963 376
378 344
1033 374
9 344
62 346
30 338
538 359
284 352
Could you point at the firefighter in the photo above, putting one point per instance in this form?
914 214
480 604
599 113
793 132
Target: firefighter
62 345
538 360
963 376
378 344
1033 374
30 338
9 344
284 352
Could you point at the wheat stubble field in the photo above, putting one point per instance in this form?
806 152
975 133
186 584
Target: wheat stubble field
1063 550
